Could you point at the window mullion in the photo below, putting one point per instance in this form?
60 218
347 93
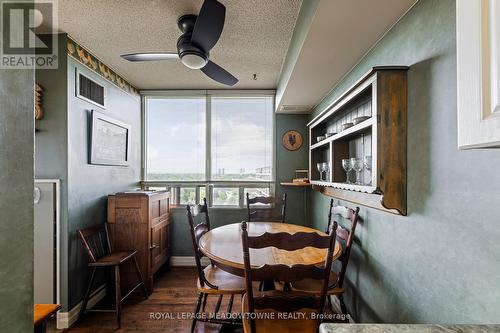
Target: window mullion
242 196
208 138
178 196
210 193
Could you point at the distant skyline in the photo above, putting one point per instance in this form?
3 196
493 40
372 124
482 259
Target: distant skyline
241 135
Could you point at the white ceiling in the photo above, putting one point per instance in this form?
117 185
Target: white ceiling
341 32
255 39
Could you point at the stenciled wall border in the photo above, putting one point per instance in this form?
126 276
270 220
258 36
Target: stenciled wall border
83 56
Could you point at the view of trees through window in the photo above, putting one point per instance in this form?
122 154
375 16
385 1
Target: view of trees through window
240 144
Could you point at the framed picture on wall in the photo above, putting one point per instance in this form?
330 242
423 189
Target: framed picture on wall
109 142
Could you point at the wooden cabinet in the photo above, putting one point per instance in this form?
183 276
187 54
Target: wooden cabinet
366 123
140 220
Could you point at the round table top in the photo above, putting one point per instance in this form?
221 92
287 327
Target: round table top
223 246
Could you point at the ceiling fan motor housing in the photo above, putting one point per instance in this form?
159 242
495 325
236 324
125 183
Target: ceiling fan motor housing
200 33
190 54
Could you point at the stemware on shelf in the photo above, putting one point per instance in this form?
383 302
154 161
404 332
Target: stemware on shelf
357 165
320 170
326 168
367 161
346 164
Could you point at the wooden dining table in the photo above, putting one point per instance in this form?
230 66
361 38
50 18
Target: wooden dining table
222 245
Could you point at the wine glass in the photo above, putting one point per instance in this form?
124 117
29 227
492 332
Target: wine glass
346 164
367 161
357 165
320 170
326 168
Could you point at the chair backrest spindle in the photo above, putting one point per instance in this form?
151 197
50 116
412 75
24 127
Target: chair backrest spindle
346 235
196 233
96 242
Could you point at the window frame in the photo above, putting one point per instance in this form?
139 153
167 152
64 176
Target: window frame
208 183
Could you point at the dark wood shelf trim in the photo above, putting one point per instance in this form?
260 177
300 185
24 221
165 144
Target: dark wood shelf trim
372 71
296 184
388 126
373 200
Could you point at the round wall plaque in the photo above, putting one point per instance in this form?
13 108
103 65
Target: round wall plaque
292 140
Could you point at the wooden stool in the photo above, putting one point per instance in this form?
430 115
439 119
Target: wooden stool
41 313
98 247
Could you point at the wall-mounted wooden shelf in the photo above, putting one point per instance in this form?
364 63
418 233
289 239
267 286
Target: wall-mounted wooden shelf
296 184
381 96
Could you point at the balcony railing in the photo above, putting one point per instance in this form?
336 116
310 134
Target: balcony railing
219 194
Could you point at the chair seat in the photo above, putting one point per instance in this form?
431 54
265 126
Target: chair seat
294 322
314 286
227 283
113 259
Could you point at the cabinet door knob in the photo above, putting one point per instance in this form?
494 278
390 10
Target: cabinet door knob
154 246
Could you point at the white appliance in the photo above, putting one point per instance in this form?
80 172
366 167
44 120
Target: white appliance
46 241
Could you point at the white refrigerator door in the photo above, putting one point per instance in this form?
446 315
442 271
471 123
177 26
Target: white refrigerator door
44 243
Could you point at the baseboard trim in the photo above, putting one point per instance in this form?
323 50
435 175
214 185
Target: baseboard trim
67 319
185 261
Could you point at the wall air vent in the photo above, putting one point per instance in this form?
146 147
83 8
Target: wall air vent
295 109
89 90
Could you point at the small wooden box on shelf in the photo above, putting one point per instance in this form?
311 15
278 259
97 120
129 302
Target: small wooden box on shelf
368 123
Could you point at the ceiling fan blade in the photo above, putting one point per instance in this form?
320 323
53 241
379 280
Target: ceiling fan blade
209 24
151 56
219 74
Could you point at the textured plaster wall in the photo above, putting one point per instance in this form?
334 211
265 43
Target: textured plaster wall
51 144
16 200
61 152
441 263
90 184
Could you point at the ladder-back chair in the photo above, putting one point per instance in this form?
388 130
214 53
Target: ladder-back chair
211 279
261 215
285 301
336 284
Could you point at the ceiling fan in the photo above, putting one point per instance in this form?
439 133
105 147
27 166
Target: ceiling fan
200 34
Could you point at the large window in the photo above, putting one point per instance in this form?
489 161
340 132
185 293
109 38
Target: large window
175 141
210 145
242 138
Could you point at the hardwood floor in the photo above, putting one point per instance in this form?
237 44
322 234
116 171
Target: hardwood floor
174 298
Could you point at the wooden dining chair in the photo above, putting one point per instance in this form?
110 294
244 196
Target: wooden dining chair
336 283
211 279
285 301
261 215
98 246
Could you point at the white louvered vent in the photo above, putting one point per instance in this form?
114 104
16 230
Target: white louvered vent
295 109
90 90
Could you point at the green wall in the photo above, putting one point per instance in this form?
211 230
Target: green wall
62 152
16 200
441 263
286 164
51 145
89 185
